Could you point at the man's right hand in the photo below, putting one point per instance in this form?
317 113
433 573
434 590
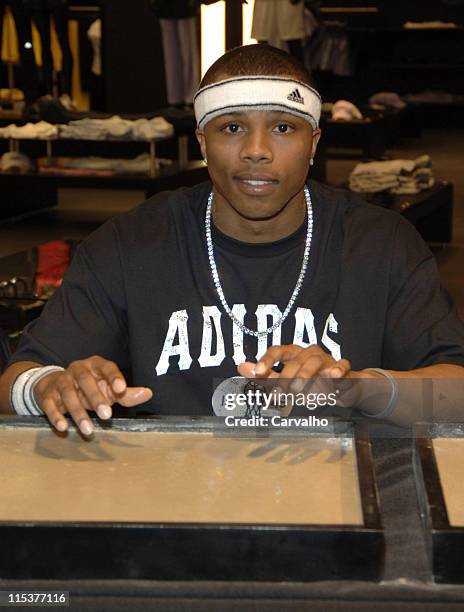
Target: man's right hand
92 384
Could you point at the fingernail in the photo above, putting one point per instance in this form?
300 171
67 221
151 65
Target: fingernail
119 385
104 411
86 427
141 392
253 373
61 425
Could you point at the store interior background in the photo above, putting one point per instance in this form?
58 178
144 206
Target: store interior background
386 58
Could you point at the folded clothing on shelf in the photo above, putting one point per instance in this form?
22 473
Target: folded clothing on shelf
398 176
429 25
327 107
343 110
430 96
113 128
117 128
99 166
40 131
58 171
53 110
390 99
12 95
12 161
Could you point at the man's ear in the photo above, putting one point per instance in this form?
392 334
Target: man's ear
201 141
316 136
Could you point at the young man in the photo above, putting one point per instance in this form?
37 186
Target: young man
251 269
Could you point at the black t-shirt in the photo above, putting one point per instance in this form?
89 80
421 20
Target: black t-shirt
139 291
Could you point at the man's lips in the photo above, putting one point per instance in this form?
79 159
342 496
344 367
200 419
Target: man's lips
256 184
256 180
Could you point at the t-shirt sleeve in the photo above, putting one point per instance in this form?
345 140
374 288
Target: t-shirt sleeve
87 315
422 326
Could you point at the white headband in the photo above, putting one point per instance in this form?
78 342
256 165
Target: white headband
257 93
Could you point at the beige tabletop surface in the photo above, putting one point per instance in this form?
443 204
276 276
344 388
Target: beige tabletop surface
187 477
449 454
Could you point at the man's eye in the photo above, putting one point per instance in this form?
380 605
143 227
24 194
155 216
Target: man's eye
284 128
232 128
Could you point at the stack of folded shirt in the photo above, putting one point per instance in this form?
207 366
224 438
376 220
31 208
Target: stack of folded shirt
13 161
398 176
343 110
98 166
113 128
390 99
116 128
430 96
429 25
41 130
138 165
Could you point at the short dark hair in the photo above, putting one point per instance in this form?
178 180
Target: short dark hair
253 60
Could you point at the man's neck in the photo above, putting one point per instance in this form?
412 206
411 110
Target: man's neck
285 223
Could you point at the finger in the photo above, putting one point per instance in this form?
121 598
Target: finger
247 369
338 369
274 354
313 363
83 400
134 396
72 404
105 390
289 373
304 377
50 406
90 391
110 372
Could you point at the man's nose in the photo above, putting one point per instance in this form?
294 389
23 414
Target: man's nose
256 147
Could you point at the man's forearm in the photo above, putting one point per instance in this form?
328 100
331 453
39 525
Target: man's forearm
7 379
432 394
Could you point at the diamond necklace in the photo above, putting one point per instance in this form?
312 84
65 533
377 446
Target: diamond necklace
299 282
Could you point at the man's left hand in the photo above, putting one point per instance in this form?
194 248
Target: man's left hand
299 365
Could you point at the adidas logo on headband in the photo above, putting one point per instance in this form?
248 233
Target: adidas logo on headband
295 96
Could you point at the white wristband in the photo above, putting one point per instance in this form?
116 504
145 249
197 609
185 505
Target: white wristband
22 390
393 396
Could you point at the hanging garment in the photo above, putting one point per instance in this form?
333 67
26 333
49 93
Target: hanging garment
181 59
174 9
29 78
328 49
94 34
278 19
42 12
91 62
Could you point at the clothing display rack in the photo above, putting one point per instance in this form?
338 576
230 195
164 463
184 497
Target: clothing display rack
182 148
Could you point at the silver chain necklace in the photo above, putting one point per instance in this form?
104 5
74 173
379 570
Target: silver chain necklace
299 282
